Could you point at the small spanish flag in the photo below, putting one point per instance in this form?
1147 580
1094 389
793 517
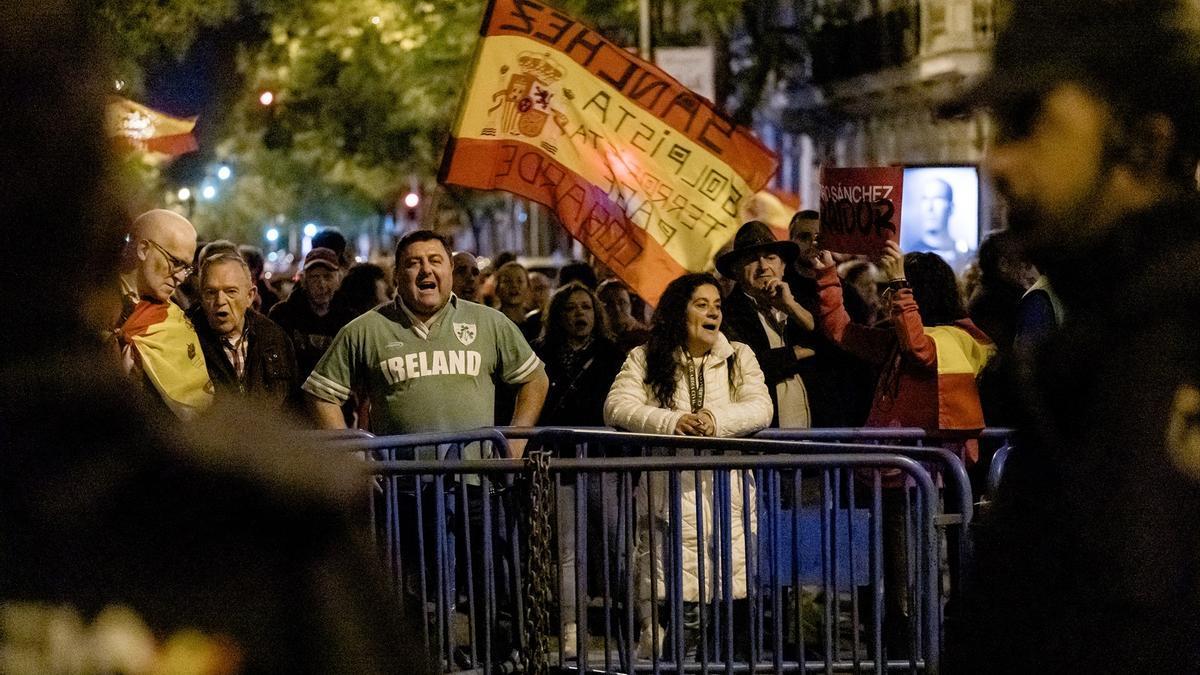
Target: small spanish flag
137 127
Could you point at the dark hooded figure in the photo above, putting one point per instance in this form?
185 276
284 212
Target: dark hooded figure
1090 561
225 546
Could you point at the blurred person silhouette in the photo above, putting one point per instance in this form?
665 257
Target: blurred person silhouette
364 288
333 239
1097 109
192 547
578 271
617 302
1004 277
540 288
860 291
466 276
265 296
513 294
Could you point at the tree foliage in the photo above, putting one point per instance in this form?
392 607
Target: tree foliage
364 95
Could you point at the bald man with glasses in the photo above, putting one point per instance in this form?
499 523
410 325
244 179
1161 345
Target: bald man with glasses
159 346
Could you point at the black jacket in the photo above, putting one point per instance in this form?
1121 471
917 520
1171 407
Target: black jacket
310 334
576 397
839 387
271 374
1090 559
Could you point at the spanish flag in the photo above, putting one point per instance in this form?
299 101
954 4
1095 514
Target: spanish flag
137 127
648 175
165 344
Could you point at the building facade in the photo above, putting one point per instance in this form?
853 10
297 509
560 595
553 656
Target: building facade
875 74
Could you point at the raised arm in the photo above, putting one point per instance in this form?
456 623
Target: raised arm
870 344
906 319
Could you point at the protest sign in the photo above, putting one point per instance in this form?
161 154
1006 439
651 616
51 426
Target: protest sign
860 208
650 177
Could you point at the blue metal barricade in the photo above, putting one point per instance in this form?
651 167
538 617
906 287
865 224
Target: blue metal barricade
758 560
996 470
791 521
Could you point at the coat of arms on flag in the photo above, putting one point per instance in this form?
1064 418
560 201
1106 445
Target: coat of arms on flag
649 176
465 332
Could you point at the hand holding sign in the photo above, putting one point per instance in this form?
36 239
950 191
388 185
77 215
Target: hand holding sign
823 260
860 208
891 263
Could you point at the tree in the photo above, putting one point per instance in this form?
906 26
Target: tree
364 93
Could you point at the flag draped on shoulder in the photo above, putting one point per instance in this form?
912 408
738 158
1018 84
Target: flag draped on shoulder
169 351
648 175
138 127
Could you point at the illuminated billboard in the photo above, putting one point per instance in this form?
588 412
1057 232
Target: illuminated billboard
941 212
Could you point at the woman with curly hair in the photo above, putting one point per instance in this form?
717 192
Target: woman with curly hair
689 379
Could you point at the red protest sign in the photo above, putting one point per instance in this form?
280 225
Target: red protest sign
860 208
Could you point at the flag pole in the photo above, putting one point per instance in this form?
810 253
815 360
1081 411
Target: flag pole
644 42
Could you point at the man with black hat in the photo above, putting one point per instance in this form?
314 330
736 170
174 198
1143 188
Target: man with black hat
1090 561
762 313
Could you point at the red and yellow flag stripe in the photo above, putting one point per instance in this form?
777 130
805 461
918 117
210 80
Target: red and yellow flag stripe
649 176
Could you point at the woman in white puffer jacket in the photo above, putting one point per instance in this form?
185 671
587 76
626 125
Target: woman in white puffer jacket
690 380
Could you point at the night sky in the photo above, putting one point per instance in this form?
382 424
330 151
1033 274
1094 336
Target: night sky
204 83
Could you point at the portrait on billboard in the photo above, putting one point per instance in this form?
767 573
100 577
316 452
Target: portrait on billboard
941 212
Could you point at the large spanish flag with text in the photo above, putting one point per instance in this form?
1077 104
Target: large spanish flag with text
649 176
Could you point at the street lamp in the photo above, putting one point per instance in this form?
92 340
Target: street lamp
184 194
266 98
224 173
273 235
208 192
310 230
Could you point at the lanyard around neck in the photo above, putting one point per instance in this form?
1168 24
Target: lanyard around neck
696 382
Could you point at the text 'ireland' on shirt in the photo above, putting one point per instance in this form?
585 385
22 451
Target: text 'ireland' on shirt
419 377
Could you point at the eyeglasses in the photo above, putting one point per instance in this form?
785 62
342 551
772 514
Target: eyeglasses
177 264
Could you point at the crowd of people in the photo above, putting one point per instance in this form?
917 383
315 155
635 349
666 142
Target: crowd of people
237 545
842 341
789 335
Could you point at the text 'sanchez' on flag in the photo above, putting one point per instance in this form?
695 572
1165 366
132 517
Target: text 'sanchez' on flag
136 126
649 176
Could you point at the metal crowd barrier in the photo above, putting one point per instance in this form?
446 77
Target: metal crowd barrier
747 556
955 504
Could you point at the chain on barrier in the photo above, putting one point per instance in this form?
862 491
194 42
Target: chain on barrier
539 595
